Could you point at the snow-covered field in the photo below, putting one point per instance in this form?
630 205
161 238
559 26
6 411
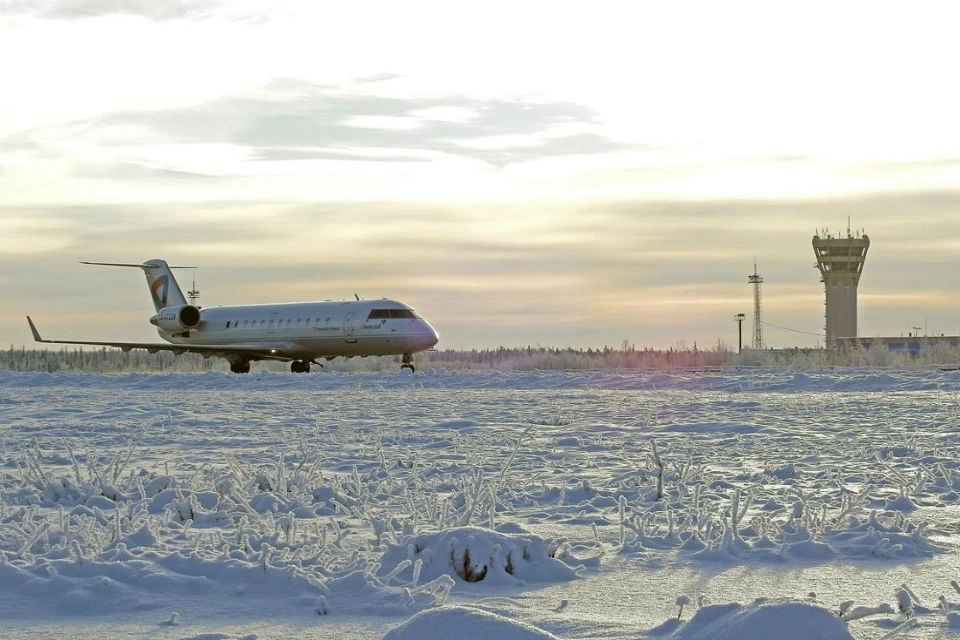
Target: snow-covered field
481 504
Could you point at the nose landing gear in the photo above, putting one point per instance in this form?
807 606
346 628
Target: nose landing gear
408 362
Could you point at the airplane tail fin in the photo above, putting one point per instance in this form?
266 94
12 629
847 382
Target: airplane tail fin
163 286
164 289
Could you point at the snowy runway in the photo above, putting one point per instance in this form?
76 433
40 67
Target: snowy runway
252 505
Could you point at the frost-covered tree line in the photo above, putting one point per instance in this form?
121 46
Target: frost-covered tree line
104 360
546 358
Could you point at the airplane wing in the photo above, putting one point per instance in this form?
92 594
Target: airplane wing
206 350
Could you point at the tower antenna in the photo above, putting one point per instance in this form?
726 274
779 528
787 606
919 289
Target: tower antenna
756 280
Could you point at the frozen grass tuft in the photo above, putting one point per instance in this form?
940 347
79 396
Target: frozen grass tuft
172 621
472 554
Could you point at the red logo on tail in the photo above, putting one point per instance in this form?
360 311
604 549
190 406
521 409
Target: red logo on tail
159 292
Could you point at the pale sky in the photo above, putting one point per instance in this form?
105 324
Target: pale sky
520 172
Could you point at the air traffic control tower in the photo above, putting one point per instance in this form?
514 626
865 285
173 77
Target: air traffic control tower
840 261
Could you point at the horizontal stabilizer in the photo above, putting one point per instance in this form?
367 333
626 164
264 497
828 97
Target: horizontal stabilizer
138 266
163 286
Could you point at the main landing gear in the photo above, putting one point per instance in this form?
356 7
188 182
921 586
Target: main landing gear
240 367
408 362
297 366
300 366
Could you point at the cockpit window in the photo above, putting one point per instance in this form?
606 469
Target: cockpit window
383 314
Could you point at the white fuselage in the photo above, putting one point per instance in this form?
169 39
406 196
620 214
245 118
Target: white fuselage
315 329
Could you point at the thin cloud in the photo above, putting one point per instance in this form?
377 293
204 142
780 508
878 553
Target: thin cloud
284 154
143 173
149 9
307 121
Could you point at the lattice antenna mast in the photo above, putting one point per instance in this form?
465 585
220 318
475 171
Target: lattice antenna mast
756 280
194 294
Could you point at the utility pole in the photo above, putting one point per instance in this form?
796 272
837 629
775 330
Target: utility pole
739 318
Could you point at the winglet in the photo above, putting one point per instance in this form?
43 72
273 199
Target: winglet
33 328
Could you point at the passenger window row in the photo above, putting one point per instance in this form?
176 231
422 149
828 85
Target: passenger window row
237 324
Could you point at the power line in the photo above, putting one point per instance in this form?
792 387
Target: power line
808 333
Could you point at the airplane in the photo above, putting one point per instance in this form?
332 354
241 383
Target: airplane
298 332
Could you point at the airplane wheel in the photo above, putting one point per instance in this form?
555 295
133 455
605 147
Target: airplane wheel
299 366
407 365
240 367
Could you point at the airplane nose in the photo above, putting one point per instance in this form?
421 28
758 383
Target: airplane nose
430 334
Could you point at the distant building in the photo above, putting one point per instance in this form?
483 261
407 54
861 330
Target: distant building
910 343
